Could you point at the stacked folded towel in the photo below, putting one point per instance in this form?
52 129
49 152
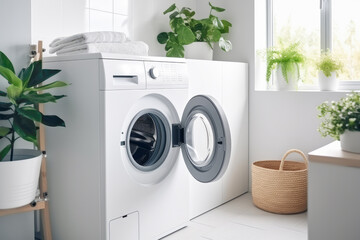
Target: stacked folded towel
91 42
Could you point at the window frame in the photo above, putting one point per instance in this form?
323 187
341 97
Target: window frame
325 7
325 24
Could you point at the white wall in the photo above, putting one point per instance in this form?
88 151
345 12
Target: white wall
15 31
55 18
140 19
283 120
149 21
14 42
239 13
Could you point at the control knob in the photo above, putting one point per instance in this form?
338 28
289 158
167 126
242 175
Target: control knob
154 72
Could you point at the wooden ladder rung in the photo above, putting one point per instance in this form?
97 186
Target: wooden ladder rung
27 208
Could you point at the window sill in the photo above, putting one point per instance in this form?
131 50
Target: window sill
344 86
307 90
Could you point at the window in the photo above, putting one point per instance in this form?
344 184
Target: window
318 25
346 36
298 21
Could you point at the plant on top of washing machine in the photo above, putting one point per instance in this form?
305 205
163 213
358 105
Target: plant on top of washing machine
186 30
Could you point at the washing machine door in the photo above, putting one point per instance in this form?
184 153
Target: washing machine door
205 139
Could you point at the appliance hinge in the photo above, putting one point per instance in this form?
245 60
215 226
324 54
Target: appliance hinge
177 135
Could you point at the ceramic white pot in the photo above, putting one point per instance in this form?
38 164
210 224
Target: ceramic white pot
350 141
198 50
328 83
281 84
19 178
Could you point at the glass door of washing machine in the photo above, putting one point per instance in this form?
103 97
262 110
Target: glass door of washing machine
204 137
147 137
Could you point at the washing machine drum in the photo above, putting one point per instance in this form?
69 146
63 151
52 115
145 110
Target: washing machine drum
147 140
142 140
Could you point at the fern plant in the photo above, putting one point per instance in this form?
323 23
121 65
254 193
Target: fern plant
328 63
288 59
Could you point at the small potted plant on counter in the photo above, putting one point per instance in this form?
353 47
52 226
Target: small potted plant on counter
197 35
286 61
329 67
341 120
20 168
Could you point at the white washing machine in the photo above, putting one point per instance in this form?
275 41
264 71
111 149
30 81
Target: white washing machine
115 171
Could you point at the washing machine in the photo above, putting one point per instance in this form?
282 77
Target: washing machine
116 171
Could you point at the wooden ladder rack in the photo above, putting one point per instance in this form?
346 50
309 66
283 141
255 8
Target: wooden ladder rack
41 203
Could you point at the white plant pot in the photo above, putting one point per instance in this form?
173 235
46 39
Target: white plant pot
328 83
350 141
282 85
19 178
198 50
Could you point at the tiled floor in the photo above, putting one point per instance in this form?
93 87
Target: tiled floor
239 219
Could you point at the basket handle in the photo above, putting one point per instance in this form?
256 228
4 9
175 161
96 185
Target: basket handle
287 154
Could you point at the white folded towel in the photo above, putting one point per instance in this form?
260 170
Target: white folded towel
131 47
89 37
64 45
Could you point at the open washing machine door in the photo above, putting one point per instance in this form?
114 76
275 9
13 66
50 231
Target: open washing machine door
204 137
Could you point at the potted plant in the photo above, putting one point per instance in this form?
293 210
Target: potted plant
19 168
187 31
286 61
341 120
329 67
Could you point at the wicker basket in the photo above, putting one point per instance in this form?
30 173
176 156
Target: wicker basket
279 186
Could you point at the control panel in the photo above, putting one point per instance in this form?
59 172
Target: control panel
129 74
166 75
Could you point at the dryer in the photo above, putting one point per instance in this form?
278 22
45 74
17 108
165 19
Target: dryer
115 171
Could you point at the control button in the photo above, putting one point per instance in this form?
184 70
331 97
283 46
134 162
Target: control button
154 73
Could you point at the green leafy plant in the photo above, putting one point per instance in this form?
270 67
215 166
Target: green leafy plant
328 63
18 105
287 58
186 30
340 116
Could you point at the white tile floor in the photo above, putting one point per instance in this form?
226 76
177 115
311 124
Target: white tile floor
240 219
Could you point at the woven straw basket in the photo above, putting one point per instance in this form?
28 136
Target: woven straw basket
280 186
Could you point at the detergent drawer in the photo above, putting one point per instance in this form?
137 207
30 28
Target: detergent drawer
122 74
